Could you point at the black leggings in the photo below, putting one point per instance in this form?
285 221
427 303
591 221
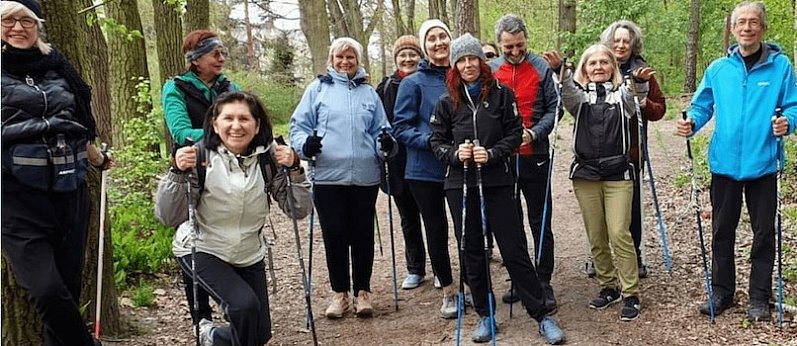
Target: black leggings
430 198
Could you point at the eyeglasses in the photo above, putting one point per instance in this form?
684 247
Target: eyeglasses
26 22
490 55
219 52
753 23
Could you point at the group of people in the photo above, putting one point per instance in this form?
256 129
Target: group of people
457 123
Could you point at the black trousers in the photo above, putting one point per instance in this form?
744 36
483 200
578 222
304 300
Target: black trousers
636 216
726 199
346 214
533 183
44 241
430 198
205 311
242 294
414 249
503 219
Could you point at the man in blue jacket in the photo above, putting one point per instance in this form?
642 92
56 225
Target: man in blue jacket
743 89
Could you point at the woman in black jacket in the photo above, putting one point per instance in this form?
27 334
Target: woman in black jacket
481 110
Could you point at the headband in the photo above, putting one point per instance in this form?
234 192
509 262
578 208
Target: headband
205 46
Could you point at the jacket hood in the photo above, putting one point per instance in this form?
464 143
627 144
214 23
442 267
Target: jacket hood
768 50
335 76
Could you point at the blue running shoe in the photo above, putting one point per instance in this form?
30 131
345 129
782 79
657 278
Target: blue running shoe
551 332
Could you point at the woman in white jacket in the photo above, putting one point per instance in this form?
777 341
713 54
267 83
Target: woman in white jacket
231 208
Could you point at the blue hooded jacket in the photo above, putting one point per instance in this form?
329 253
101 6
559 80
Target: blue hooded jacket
742 146
418 95
348 115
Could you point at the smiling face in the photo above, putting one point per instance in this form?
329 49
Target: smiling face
235 126
621 44
20 31
748 29
344 61
407 60
209 66
599 67
437 44
513 46
468 67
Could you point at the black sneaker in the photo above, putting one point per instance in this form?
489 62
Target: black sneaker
606 297
630 309
589 268
720 304
643 271
549 299
758 311
510 297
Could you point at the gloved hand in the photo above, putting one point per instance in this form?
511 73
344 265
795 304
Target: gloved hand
385 142
312 146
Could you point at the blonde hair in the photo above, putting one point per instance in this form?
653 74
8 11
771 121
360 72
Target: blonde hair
343 43
581 71
8 8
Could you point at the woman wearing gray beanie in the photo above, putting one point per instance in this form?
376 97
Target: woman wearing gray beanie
477 126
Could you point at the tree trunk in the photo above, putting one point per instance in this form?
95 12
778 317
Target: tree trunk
315 26
128 64
197 15
168 35
383 45
352 23
692 47
401 29
251 58
88 53
411 29
567 21
466 17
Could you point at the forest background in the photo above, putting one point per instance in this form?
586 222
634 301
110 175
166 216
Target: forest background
126 49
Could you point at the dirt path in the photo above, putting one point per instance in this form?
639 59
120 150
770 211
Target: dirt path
669 301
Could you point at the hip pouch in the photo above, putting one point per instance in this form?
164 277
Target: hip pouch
613 165
51 166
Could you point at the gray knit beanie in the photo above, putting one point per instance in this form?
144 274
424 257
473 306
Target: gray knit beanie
466 45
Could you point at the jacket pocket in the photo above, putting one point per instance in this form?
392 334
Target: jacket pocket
30 165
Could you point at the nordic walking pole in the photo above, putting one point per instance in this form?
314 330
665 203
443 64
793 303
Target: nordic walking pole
483 207
461 296
378 235
194 234
305 277
643 156
309 320
551 153
696 205
101 245
390 221
779 160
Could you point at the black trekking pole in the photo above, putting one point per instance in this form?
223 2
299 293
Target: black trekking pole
779 160
461 296
483 207
695 197
643 156
309 320
379 235
194 235
390 221
305 276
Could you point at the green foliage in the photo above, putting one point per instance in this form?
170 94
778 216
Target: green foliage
701 168
279 96
281 58
143 295
111 27
140 243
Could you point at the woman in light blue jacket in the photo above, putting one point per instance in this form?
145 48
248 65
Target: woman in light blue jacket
342 112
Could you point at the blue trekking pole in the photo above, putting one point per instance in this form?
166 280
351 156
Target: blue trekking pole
695 197
309 321
305 277
461 296
779 160
551 152
483 207
390 220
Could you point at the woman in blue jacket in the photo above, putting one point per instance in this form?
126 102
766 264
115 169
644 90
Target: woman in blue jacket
417 97
343 113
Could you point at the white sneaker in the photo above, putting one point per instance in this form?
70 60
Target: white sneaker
437 283
206 332
449 308
339 305
364 308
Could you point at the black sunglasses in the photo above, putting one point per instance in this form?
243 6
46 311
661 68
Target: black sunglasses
490 55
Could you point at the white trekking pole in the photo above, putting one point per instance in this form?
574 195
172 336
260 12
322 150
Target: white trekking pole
101 246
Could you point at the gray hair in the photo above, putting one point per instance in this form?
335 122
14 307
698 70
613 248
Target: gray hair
344 43
762 11
607 37
580 74
8 8
511 24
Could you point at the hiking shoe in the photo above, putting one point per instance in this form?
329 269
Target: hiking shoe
643 271
206 332
510 297
340 304
449 308
589 268
551 332
482 332
720 304
758 311
363 307
606 297
549 299
412 281
437 283
630 310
